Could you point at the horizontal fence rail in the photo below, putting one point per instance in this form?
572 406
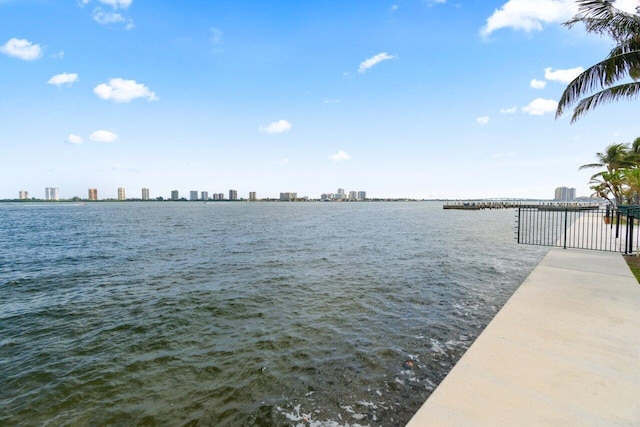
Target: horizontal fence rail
614 230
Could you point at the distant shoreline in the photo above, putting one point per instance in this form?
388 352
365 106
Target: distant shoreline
158 200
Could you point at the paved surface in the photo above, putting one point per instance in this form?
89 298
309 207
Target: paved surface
563 351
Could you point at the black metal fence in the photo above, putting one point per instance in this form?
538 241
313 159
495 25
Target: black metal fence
614 230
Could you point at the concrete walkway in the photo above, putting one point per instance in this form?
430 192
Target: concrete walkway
563 351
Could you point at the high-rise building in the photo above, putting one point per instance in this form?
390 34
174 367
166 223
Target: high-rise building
121 195
23 194
145 194
340 190
193 195
175 195
353 195
252 196
220 196
362 195
204 195
51 193
288 197
565 194
233 195
93 194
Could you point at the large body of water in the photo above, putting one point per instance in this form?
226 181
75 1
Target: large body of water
232 314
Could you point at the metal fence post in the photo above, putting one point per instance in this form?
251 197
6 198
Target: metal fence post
519 224
566 222
630 220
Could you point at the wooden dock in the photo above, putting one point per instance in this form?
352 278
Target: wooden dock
550 206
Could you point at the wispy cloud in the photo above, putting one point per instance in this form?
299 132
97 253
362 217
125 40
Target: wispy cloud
120 90
103 136
529 15
510 110
74 139
484 120
106 18
116 15
21 49
340 156
540 106
562 76
63 79
117 4
276 127
538 84
374 60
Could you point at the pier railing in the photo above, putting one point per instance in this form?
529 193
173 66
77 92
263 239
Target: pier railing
603 229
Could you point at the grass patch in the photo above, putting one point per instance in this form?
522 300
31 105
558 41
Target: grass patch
634 264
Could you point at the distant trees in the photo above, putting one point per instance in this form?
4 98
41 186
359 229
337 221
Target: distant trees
603 78
619 183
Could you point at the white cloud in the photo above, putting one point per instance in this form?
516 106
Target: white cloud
629 6
106 18
58 55
63 79
74 139
376 59
538 84
332 101
509 110
340 156
484 120
529 15
562 76
432 2
276 127
120 90
22 49
394 7
117 4
103 136
539 107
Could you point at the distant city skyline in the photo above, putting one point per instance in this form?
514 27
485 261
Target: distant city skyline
408 99
194 195
53 193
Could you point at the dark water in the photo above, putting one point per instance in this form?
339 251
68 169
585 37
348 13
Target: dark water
231 314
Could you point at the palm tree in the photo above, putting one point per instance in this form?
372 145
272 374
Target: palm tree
632 180
615 157
605 184
601 17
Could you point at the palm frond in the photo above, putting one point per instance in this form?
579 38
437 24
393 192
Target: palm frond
602 17
591 165
628 91
601 75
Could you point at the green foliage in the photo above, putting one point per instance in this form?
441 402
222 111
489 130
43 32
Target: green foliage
619 182
601 17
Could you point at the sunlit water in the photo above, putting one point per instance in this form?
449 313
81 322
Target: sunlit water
231 314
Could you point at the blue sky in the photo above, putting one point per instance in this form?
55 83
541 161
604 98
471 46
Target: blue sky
404 98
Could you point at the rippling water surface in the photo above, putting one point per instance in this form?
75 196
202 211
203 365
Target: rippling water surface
229 314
